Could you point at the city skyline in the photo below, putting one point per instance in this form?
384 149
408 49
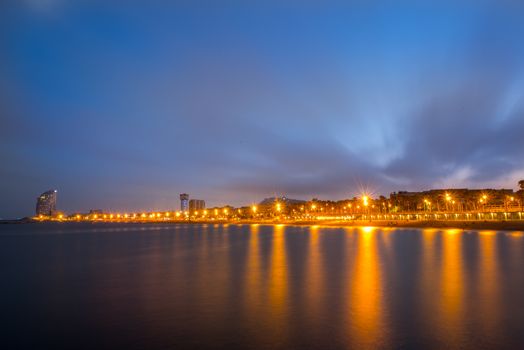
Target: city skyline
127 107
439 200
183 200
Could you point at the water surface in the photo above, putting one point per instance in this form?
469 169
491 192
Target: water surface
256 287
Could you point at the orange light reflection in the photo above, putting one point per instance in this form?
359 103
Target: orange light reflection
452 285
366 309
314 282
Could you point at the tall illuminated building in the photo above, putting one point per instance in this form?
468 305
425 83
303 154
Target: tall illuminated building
46 203
184 202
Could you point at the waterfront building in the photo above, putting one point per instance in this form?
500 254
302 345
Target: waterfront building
520 194
46 203
197 204
184 202
461 199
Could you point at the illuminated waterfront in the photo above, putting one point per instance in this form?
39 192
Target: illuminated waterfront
260 286
427 207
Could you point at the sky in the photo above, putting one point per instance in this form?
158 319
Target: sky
123 105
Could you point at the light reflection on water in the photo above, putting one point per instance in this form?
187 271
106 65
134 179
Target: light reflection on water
367 312
258 286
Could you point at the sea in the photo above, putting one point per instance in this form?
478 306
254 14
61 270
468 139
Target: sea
192 286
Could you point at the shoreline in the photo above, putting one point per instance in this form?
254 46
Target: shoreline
463 225
510 225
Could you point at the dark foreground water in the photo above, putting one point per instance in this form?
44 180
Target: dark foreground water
180 286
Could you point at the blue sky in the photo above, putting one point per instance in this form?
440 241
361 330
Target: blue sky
123 107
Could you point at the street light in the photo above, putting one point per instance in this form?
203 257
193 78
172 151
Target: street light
511 199
448 200
365 202
484 200
427 204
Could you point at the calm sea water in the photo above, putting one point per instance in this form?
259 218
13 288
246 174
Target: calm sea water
254 287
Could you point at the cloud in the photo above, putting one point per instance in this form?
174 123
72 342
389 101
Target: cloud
458 136
137 104
44 7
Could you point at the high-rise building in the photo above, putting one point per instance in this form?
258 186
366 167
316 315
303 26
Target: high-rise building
197 204
184 202
46 203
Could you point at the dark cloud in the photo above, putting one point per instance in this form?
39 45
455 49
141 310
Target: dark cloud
472 121
124 108
461 130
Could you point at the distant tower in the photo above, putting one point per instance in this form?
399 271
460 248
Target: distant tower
184 202
46 203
